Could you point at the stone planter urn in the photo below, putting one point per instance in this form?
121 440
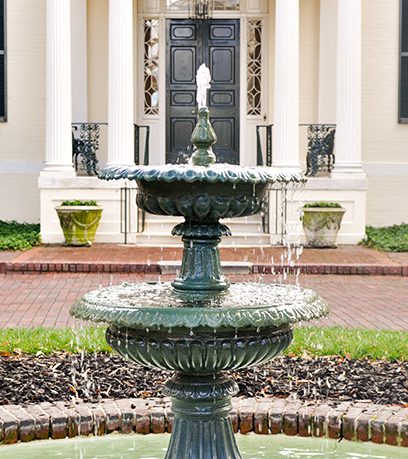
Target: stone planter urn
321 223
79 222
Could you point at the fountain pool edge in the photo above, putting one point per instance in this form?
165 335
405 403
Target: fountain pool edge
386 424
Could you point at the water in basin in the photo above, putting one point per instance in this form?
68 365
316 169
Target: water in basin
154 446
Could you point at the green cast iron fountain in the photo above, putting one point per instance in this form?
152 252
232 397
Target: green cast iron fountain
200 326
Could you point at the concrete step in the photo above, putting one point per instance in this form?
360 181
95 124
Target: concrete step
246 232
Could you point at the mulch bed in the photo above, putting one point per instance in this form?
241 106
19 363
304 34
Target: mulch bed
63 376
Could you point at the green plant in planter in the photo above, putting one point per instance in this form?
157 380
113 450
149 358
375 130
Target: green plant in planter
79 203
332 205
321 223
79 221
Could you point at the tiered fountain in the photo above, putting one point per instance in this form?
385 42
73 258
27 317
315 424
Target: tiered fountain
199 325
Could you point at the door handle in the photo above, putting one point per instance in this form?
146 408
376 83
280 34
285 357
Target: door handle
193 112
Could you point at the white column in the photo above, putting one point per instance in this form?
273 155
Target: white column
79 61
285 151
348 112
120 116
58 142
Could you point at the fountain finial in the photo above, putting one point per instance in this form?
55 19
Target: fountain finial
203 79
203 135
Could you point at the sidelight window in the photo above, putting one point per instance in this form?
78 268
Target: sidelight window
151 67
254 67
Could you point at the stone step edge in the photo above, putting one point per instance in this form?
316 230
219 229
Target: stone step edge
358 421
257 268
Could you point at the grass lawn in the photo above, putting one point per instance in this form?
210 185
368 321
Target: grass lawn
310 341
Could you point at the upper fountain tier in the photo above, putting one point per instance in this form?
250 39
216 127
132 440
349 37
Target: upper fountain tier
202 192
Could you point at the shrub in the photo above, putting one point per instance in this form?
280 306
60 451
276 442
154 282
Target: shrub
387 239
18 236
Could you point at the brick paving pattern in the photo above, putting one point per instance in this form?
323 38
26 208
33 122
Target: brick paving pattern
44 299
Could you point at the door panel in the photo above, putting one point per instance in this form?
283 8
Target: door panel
222 63
190 43
183 65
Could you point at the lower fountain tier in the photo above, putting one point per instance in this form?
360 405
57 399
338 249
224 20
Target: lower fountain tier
157 306
202 351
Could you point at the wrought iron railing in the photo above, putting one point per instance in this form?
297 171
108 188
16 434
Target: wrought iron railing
260 161
319 159
85 144
320 146
275 212
137 145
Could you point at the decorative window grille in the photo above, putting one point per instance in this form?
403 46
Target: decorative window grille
254 67
151 67
3 99
219 5
223 5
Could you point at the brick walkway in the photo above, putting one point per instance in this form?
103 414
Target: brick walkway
44 299
120 257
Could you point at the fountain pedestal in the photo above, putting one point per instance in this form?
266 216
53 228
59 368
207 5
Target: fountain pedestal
201 263
202 428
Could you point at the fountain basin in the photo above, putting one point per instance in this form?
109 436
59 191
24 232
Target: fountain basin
153 446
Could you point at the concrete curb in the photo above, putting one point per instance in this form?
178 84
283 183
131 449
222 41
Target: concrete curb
358 421
257 268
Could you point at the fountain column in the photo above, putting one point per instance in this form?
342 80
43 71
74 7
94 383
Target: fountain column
286 92
58 142
120 116
348 116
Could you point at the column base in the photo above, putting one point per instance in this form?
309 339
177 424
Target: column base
348 171
58 170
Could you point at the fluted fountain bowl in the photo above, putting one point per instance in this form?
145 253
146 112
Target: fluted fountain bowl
201 193
154 325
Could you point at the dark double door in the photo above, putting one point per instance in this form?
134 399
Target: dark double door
190 43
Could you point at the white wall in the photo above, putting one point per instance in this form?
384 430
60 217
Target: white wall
384 141
22 137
